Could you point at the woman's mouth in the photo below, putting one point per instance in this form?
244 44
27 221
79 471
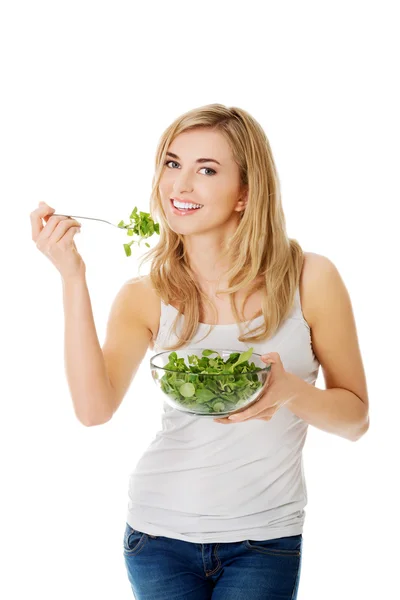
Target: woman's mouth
183 211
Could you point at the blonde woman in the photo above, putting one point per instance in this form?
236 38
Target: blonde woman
216 506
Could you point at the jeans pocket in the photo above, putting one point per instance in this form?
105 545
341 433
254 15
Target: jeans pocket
134 540
283 546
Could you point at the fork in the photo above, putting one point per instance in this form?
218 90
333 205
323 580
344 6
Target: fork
93 219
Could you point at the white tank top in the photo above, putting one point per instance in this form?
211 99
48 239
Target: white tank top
206 482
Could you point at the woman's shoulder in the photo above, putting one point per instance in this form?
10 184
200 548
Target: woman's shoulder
314 265
149 300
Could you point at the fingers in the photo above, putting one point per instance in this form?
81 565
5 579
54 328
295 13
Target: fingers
55 228
36 219
55 240
70 234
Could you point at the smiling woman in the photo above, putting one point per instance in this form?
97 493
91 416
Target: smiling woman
216 506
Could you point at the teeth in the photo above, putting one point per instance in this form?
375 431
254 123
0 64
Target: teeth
186 205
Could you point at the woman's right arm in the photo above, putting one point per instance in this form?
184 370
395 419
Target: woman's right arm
88 380
100 377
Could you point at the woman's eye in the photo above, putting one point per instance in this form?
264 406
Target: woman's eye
173 161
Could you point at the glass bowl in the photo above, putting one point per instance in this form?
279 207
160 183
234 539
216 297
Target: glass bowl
209 383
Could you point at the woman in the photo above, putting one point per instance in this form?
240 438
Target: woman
216 506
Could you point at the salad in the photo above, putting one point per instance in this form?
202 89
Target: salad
144 228
211 385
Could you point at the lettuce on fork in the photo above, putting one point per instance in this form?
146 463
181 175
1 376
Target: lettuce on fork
144 227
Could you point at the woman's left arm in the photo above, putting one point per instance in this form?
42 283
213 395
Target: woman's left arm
342 408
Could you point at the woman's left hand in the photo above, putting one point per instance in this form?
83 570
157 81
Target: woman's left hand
280 389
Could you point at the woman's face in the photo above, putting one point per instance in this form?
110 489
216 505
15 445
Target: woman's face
214 185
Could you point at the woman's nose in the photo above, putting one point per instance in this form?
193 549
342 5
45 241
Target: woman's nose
183 183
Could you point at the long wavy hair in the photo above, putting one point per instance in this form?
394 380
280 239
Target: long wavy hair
260 254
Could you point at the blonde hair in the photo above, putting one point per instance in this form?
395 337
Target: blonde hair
260 254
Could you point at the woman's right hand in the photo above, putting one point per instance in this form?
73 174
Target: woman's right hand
55 240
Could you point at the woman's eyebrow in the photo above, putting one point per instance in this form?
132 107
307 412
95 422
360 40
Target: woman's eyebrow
199 160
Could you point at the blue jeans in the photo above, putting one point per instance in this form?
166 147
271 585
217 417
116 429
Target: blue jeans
163 568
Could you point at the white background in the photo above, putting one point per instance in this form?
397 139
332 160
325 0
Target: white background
86 90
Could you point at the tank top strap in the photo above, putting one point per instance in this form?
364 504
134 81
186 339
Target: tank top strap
166 319
297 311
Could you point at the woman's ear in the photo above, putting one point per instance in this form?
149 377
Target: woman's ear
242 202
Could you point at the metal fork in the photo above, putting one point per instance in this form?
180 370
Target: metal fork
93 219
